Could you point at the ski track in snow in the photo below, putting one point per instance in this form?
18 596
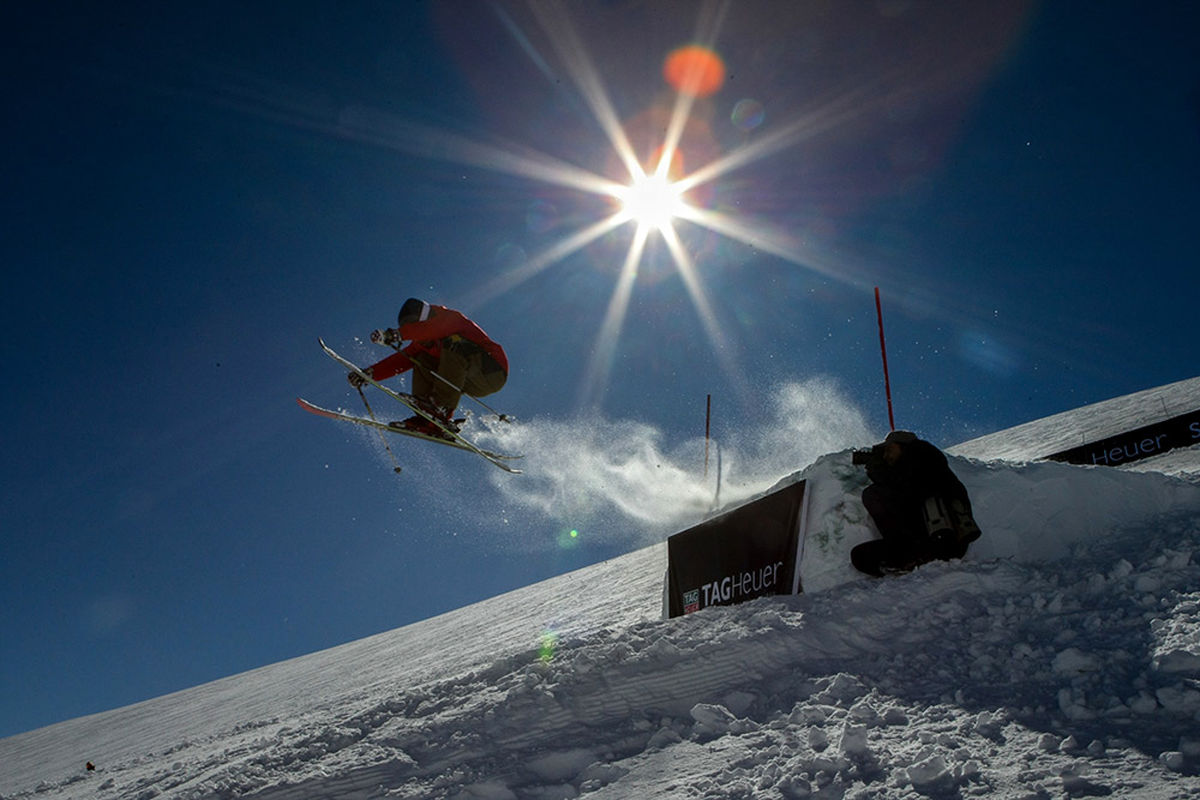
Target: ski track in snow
1061 659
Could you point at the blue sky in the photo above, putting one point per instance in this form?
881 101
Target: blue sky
196 193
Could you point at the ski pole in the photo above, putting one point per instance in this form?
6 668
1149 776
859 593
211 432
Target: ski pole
382 438
381 337
501 417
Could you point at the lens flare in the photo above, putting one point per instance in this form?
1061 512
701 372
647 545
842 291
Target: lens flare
748 114
694 70
547 644
568 539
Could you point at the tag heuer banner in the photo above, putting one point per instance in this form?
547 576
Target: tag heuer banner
1151 440
751 551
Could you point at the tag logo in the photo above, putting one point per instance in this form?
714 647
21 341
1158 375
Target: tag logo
691 601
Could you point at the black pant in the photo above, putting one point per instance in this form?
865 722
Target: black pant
903 544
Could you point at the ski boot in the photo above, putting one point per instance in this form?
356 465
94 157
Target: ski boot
419 424
444 428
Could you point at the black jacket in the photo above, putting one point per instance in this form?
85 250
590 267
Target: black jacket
919 473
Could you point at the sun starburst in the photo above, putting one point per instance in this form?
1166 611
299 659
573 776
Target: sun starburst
652 202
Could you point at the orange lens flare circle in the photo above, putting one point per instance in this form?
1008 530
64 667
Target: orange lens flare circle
674 170
694 70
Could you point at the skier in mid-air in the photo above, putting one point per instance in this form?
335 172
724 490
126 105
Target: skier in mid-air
449 355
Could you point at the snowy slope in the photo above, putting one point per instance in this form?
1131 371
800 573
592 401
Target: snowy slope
1090 423
1060 659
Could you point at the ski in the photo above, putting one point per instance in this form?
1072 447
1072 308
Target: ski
346 416
458 439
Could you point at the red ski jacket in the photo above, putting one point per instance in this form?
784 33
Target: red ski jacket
438 328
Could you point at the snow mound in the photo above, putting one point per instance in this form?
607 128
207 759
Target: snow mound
1060 659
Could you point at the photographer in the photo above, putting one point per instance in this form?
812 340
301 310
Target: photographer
920 507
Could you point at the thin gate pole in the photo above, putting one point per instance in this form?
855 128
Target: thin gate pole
707 421
887 384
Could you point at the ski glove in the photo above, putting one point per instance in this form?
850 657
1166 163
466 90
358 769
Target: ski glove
356 380
388 336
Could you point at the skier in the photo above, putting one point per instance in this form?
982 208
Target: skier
918 504
448 354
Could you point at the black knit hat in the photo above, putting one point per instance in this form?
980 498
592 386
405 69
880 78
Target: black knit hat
411 311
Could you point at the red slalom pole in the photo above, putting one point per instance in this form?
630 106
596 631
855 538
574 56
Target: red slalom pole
887 384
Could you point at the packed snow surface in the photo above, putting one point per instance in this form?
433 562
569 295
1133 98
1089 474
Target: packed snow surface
1087 424
1060 659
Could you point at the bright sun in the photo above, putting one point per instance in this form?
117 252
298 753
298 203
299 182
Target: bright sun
652 202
